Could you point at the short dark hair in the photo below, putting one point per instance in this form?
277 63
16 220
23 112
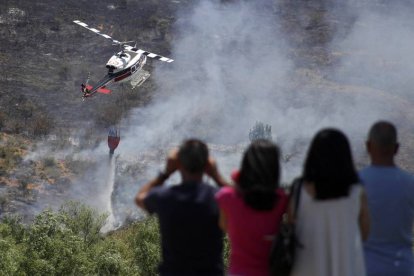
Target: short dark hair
259 175
383 133
329 165
193 155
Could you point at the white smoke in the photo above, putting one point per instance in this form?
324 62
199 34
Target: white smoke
229 72
377 60
233 68
378 51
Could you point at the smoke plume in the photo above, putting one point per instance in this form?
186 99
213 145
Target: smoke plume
233 67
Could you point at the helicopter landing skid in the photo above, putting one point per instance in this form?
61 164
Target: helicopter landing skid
140 78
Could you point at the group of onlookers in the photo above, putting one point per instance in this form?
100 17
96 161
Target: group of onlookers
347 222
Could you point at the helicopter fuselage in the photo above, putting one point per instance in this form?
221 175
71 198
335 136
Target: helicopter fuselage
125 64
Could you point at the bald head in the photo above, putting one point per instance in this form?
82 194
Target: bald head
383 134
382 143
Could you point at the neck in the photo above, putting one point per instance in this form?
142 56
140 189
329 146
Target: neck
386 162
382 155
187 177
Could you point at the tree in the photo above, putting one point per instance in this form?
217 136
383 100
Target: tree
53 244
109 260
260 131
53 249
15 227
147 246
83 221
11 256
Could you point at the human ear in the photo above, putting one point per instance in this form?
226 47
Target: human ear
368 146
396 148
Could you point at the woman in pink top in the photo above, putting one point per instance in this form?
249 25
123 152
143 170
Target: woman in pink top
251 211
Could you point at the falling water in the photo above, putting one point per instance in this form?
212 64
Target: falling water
109 188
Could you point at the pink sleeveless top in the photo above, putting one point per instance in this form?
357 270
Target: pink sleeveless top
250 231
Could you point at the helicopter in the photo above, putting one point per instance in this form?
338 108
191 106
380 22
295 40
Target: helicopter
126 65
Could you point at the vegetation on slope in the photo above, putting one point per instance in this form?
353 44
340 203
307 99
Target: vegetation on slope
68 242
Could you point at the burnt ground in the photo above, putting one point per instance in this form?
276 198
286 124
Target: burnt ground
45 57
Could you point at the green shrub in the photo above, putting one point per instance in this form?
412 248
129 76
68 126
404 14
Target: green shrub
83 221
109 256
49 162
53 249
146 243
15 226
11 256
9 159
68 242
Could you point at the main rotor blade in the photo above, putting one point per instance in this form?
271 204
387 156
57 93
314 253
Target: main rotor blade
96 31
148 54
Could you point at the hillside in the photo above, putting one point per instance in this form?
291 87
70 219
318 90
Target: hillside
47 57
296 65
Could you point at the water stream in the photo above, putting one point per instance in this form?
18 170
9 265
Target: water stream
109 188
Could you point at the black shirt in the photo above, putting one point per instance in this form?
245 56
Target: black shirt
191 240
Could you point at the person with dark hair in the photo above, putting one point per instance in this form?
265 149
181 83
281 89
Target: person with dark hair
191 240
390 192
332 214
251 211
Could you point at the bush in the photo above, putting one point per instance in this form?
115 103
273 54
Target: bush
10 157
110 259
68 242
83 221
109 262
53 249
59 243
146 242
11 256
226 251
15 228
49 162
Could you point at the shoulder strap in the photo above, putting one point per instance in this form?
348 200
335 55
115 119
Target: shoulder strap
295 194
